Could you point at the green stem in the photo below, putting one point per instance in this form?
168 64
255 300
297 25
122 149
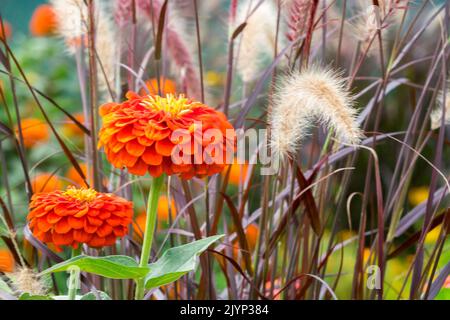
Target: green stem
152 206
74 277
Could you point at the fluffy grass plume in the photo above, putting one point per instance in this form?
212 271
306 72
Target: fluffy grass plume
315 93
72 22
258 37
26 280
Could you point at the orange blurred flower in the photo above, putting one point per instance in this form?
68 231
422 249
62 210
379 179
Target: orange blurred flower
6 261
74 177
6 31
33 131
71 130
167 87
252 234
143 134
43 21
238 173
162 212
45 182
76 216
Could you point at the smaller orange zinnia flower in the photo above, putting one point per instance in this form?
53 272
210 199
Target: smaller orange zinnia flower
33 131
163 216
6 261
167 86
43 22
45 182
77 216
6 31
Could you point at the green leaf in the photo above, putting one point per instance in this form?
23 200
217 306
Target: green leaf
29 296
91 296
114 267
444 294
176 262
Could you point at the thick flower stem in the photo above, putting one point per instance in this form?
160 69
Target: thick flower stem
74 277
150 224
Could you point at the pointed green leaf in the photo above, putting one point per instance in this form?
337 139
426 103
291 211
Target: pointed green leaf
114 267
176 262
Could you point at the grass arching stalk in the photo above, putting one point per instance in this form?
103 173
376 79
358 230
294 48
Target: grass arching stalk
150 224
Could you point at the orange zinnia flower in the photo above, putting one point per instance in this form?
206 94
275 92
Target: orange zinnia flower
33 131
6 31
45 182
162 212
143 134
77 216
43 22
6 261
167 87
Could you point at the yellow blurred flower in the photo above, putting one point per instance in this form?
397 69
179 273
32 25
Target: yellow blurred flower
418 195
214 79
433 235
346 234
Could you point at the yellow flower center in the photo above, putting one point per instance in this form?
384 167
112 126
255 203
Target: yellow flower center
170 104
81 194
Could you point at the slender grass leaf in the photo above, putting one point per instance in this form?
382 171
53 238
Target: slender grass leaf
176 262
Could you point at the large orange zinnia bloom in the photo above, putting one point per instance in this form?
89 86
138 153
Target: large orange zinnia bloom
44 21
33 131
143 135
76 216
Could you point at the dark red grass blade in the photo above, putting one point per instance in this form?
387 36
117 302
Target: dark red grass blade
240 233
66 150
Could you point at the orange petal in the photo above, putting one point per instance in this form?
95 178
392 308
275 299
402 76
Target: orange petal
139 169
151 157
164 147
62 239
135 148
63 226
104 230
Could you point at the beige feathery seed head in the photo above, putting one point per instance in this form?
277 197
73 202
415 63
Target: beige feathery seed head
25 280
257 38
436 114
72 17
372 18
315 93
